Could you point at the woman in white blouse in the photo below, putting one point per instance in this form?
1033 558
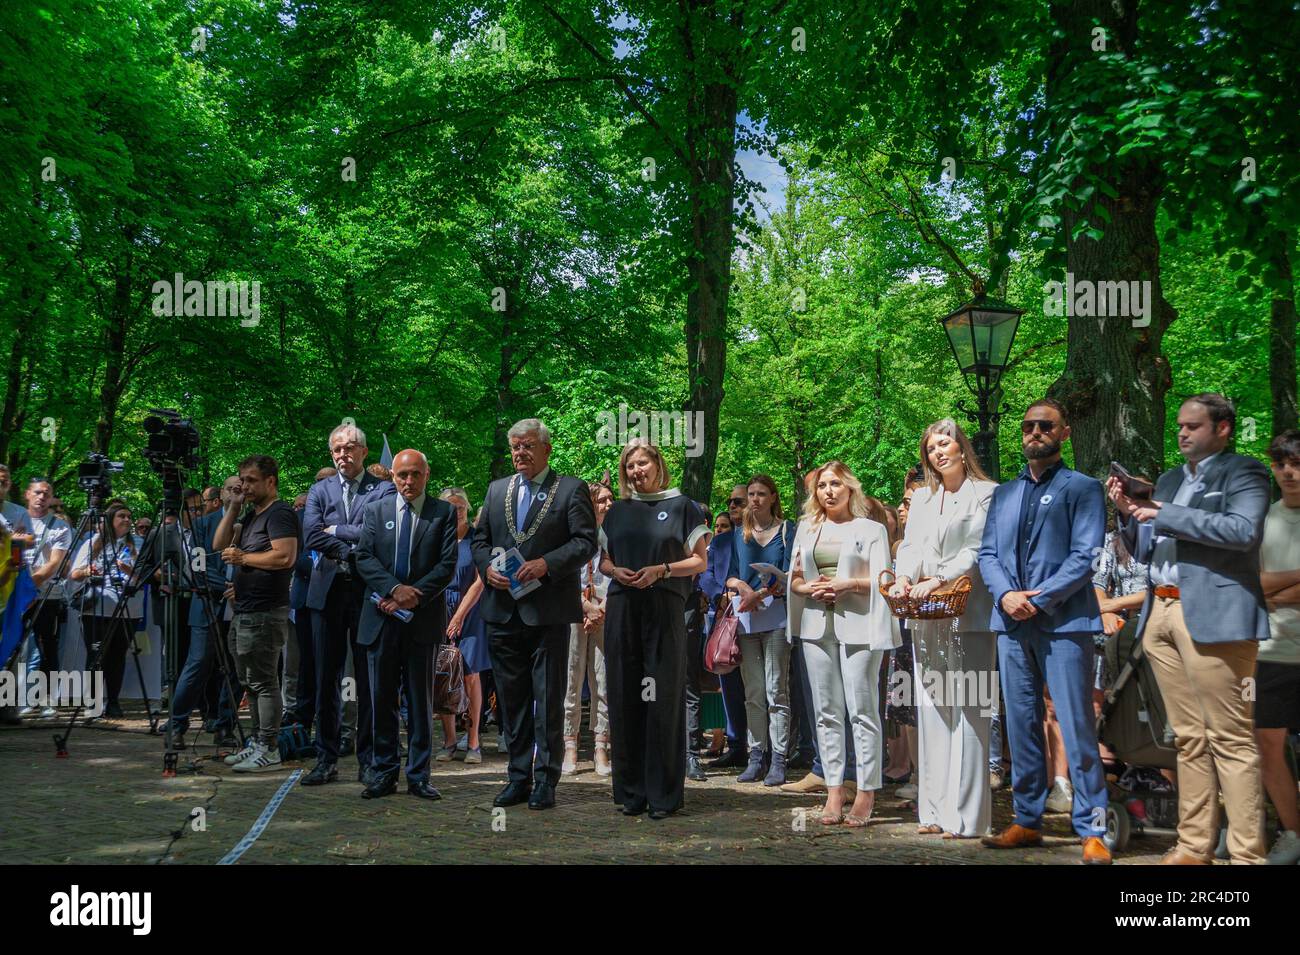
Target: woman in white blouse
844 628
955 675
101 571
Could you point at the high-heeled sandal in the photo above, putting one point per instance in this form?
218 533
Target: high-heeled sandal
831 819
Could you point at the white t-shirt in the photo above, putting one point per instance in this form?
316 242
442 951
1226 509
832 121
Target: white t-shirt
52 533
1280 551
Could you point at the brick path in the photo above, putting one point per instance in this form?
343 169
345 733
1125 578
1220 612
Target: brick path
108 802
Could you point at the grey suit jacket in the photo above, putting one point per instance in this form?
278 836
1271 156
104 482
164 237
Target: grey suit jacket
1217 536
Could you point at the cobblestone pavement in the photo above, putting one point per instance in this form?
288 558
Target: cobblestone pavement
109 803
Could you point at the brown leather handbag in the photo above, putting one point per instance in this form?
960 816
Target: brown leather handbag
449 696
722 650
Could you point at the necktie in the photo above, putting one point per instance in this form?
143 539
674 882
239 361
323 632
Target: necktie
349 488
403 564
525 502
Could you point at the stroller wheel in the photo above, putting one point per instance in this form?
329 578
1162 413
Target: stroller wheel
1118 826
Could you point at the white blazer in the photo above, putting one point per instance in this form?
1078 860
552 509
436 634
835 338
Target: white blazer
861 619
948 544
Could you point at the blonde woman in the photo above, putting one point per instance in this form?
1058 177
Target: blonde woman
654 541
587 653
845 627
955 661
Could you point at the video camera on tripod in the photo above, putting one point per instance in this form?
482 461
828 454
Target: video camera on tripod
93 477
172 446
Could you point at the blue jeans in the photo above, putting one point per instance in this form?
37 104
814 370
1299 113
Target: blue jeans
194 677
1027 659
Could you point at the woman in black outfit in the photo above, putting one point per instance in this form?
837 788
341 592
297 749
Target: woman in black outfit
653 542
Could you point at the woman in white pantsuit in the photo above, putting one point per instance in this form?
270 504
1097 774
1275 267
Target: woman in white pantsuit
955 661
844 628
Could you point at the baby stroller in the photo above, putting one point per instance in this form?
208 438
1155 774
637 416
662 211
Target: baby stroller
1133 723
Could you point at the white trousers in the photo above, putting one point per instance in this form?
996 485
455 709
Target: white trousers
956 697
846 677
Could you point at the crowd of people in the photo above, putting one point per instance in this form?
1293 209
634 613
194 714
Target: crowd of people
333 609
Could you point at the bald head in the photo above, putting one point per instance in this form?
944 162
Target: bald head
410 473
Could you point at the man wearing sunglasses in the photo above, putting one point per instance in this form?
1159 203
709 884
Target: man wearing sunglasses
1042 533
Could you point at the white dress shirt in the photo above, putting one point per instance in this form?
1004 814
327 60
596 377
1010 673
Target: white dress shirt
1164 555
416 507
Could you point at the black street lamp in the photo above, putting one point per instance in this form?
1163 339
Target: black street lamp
981 333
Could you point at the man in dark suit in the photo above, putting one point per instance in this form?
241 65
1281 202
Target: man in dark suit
550 519
407 555
332 528
1204 615
1043 531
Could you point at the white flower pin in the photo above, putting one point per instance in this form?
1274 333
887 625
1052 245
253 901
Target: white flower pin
389 526
662 515
1045 499
541 495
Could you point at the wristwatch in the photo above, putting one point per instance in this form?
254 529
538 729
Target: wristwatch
668 571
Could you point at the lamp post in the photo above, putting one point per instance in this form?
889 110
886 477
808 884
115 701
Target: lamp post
981 333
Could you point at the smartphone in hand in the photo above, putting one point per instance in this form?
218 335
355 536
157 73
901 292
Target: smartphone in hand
1135 487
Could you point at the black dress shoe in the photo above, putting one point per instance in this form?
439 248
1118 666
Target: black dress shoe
323 773
658 814
736 758
694 770
633 810
423 790
380 788
347 747
543 797
513 795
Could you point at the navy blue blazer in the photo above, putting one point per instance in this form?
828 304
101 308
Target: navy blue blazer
433 564
714 579
325 509
1067 535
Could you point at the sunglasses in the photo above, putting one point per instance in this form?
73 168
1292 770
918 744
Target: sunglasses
736 502
1029 425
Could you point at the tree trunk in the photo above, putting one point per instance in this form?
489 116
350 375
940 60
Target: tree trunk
110 392
711 148
1282 340
1115 378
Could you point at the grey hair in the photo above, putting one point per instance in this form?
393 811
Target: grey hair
454 494
352 431
529 426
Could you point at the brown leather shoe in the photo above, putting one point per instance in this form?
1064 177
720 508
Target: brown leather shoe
812 783
1095 852
1014 836
1177 856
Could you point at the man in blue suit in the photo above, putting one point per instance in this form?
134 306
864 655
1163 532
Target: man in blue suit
332 528
1043 531
406 556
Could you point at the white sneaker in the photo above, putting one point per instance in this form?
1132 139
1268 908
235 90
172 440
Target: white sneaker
264 760
1286 851
1061 798
907 791
27 711
234 759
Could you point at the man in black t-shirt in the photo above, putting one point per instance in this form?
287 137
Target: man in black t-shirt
262 548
